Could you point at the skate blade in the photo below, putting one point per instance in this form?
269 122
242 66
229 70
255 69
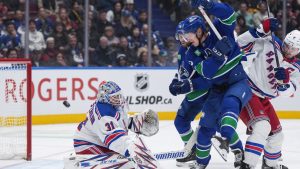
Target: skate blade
222 153
185 164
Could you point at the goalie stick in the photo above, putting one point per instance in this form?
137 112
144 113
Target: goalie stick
113 158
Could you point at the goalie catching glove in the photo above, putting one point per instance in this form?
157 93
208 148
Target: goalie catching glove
145 123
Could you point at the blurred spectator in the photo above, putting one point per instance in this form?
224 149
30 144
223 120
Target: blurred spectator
50 52
14 5
292 22
134 40
104 4
143 18
261 14
252 5
160 60
121 60
142 57
73 52
60 60
60 36
12 53
65 20
114 15
43 23
49 5
68 3
102 55
102 22
242 24
183 10
76 14
57 61
172 51
123 28
11 40
243 11
19 19
36 38
129 5
155 37
123 48
3 9
109 32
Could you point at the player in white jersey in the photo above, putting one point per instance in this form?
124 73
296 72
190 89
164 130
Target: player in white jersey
267 81
105 129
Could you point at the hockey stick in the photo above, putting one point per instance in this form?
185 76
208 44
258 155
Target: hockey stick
273 41
113 158
212 26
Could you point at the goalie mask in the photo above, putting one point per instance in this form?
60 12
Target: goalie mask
109 92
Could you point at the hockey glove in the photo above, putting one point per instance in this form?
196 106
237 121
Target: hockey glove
270 24
222 48
171 89
182 87
282 75
145 123
207 4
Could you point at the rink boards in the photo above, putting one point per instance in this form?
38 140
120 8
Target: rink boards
143 88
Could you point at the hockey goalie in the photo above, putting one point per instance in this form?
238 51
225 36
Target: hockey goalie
102 139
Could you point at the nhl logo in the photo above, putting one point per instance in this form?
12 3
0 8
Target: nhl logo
141 82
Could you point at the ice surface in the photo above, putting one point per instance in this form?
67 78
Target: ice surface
51 143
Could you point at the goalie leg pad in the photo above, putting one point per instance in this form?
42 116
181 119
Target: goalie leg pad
85 147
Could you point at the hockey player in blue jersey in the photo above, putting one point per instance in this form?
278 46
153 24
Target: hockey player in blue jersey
193 102
220 65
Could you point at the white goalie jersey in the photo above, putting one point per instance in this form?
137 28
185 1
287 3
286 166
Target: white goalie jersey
260 66
104 126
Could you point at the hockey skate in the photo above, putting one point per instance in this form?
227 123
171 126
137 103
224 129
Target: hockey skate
245 166
221 145
239 157
197 166
265 166
188 160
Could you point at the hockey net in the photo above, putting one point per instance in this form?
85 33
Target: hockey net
15 111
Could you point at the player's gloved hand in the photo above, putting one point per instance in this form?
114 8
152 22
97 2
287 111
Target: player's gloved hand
282 75
221 49
270 24
182 87
175 80
207 4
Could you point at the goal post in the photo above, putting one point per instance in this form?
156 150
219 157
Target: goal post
15 109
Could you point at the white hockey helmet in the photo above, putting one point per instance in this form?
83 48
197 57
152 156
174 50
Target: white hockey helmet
291 44
109 92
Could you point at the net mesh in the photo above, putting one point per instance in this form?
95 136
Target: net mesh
13 111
